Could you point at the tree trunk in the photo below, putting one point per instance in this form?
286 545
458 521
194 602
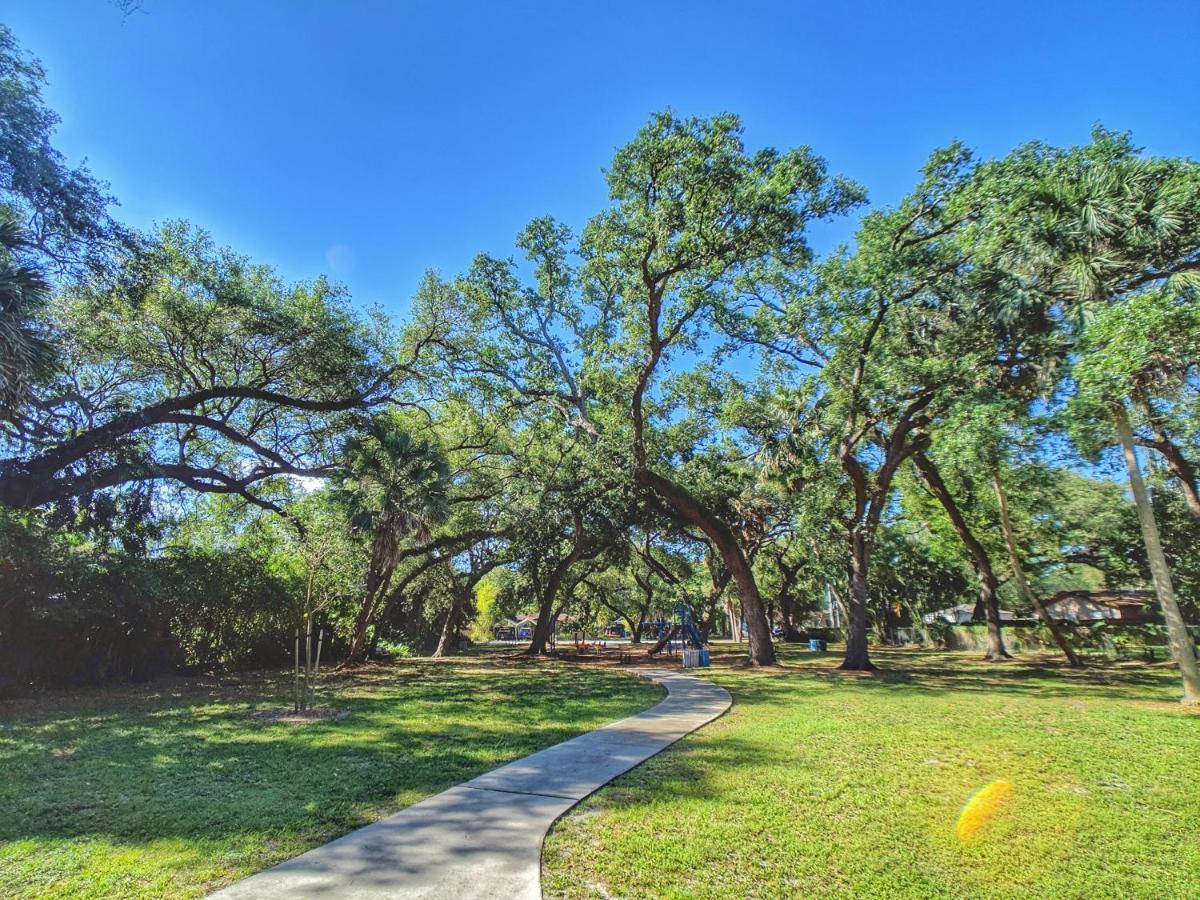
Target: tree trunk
362 623
667 636
647 588
762 649
1177 464
1183 470
448 639
787 603
735 625
369 613
980 561
785 613
1182 646
720 582
858 659
545 621
1014 559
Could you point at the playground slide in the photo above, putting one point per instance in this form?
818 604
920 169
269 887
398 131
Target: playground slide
690 633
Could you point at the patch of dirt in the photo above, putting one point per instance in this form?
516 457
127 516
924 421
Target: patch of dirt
304 717
1170 706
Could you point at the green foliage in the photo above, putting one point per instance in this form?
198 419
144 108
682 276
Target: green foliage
65 210
26 355
1146 347
192 366
392 482
486 594
76 610
615 422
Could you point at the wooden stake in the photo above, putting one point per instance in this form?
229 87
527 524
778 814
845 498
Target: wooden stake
307 661
296 683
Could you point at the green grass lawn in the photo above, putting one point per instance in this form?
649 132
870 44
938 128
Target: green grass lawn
174 789
823 783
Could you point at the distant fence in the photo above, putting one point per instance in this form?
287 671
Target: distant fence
1107 638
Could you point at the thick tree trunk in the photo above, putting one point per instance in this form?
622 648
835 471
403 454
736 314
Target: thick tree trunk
369 613
647 589
762 650
358 639
980 561
448 641
1014 559
785 614
363 621
787 605
1182 646
545 621
720 582
669 635
858 657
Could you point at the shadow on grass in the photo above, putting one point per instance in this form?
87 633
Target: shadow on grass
190 761
940 671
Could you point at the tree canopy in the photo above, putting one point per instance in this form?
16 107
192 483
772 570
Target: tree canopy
675 403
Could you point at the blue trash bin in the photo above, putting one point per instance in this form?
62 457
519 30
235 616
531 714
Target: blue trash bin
703 656
816 644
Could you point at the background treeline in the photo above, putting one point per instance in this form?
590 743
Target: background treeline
679 403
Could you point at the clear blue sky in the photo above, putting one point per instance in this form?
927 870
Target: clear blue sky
373 140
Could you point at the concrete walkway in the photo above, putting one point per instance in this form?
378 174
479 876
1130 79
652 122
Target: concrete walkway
483 838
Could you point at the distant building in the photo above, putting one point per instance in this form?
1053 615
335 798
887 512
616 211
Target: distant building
1097 606
505 630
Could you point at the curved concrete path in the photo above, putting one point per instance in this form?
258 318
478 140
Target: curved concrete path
483 838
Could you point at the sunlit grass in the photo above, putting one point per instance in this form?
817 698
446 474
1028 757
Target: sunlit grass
825 783
174 789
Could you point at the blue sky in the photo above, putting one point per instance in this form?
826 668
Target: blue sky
373 140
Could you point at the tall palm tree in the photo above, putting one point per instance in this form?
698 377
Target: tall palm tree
25 354
394 486
1096 228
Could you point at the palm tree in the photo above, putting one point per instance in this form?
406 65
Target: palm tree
1097 228
24 354
395 486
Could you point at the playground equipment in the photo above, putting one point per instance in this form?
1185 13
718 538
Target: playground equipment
682 636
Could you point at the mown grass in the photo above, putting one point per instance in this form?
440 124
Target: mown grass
175 789
830 784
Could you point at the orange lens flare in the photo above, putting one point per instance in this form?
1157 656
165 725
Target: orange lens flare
982 808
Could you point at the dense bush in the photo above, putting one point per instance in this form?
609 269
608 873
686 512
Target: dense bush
75 611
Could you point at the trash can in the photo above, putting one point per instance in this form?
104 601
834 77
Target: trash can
816 644
703 656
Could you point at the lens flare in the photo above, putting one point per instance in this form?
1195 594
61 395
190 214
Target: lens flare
982 808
